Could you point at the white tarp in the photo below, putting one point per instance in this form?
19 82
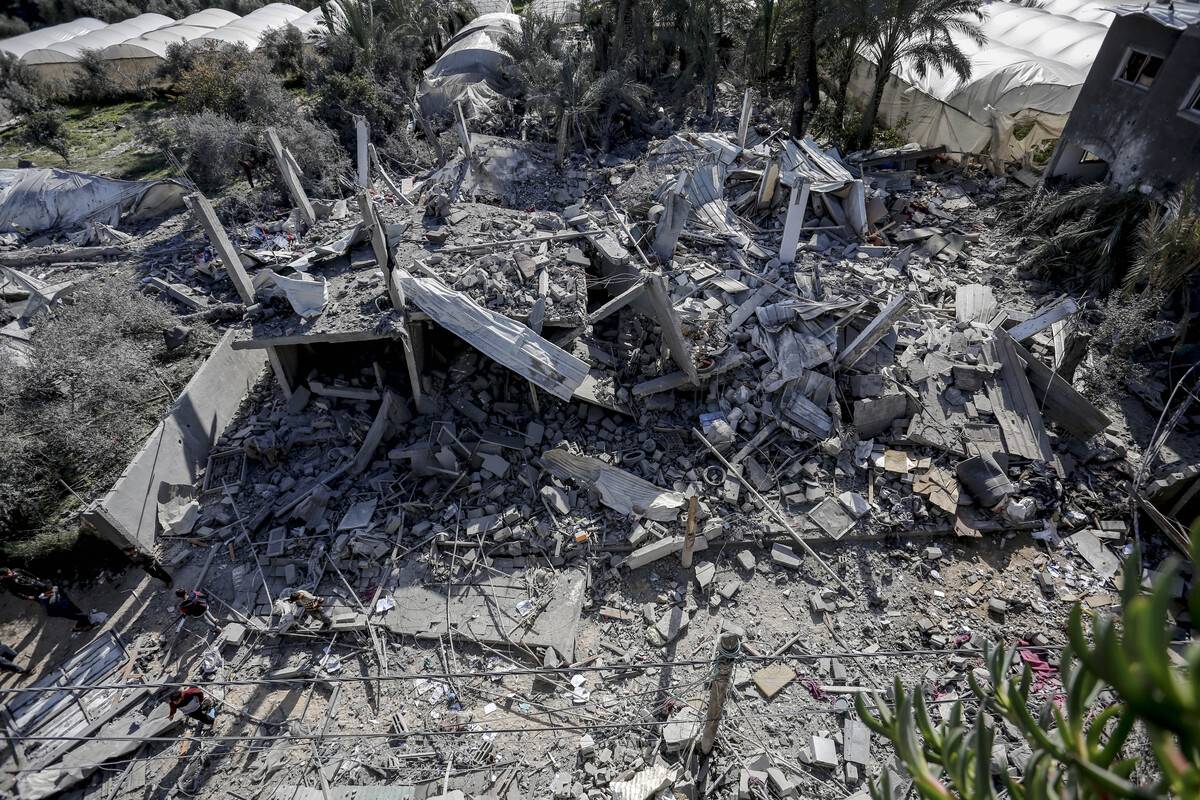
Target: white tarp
43 199
470 69
1028 72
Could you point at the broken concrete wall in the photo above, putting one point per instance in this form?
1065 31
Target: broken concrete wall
177 450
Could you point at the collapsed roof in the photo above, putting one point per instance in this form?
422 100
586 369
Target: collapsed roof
43 199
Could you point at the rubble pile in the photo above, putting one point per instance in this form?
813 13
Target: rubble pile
737 403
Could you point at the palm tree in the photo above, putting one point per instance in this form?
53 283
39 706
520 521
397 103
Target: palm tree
921 33
841 30
807 92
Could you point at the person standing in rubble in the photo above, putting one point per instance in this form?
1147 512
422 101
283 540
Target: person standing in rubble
192 702
194 604
24 585
57 604
149 564
311 605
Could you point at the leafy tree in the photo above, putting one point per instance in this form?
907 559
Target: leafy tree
48 128
1121 680
921 33
94 82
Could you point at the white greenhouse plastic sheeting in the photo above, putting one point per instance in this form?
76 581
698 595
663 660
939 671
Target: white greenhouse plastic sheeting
1028 72
70 50
469 70
141 42
153 44
43 199
34 40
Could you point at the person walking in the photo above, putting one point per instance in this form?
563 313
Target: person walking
192 702
311 604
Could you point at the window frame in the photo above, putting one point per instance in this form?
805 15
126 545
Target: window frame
1190 107
1129 52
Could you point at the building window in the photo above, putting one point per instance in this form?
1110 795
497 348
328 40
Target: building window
1140 68
1191 106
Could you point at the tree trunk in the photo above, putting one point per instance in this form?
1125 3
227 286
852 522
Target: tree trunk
806 67
560 152
866 130
844 73
768 22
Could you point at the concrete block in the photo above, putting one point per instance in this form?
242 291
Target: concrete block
785 557
873 416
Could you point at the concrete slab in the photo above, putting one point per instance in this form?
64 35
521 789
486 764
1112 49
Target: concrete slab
484 608
177 450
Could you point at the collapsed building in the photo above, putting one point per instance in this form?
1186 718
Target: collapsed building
548 440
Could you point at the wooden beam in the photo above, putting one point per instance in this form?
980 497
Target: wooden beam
362 140
659 300
203 211
617 303
291 177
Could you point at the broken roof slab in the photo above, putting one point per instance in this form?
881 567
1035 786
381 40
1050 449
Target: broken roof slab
484 607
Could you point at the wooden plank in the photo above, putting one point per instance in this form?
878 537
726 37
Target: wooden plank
1043 319
1060 401
291 178
876 329
362 140
659 301
203 211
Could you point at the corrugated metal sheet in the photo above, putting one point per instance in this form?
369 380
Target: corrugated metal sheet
619 490
67 713
501 339
644 784
1014 404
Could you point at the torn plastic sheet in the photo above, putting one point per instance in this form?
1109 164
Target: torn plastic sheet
43 199
470 70
306 294
619 490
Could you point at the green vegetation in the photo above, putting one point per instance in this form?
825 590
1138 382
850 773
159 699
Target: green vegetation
99 139
1101 237
98 379
1118 682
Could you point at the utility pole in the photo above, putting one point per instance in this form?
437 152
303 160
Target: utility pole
731 646
689 536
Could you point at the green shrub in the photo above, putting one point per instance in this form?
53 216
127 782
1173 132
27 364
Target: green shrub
48 128
210 145
226 98
78 410
95 82
283 48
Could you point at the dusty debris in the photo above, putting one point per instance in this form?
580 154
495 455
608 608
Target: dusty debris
535 463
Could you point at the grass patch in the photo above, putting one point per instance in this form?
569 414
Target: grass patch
98 380
102 140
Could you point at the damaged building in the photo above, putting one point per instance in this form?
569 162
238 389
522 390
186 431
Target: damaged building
613 476
1137 120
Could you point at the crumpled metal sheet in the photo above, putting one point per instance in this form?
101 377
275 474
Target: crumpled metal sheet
644 784
542 363
619 490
